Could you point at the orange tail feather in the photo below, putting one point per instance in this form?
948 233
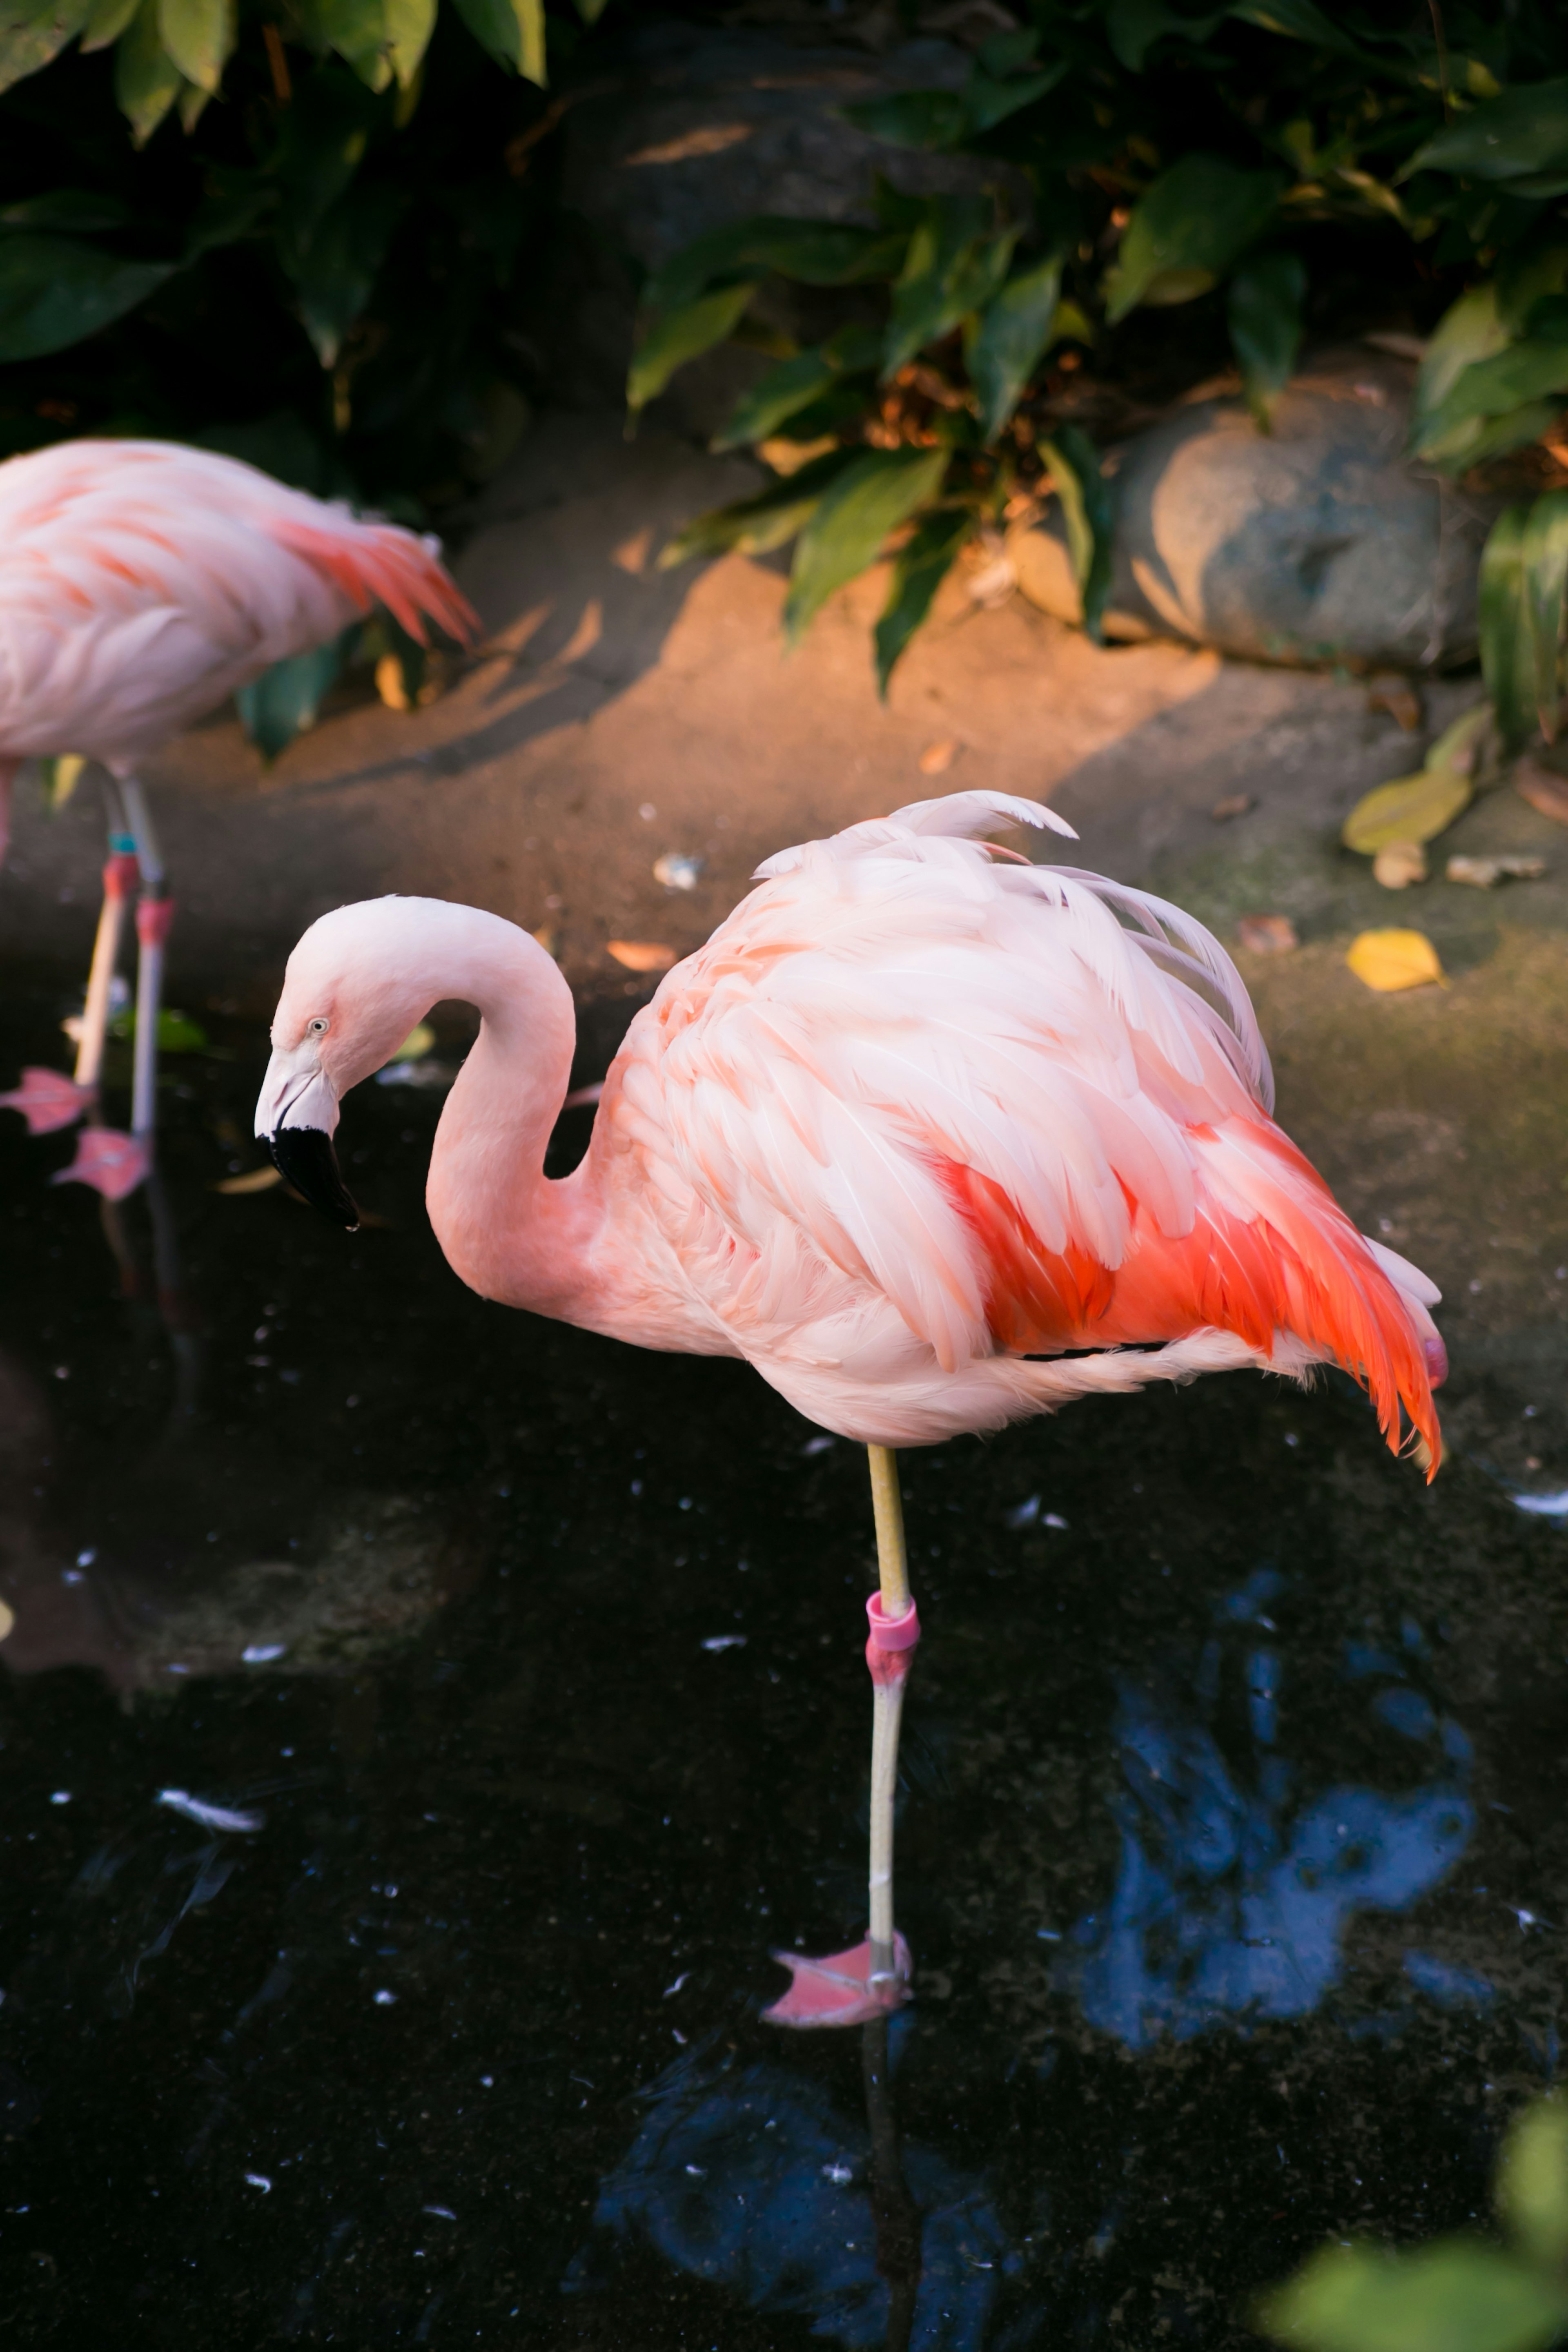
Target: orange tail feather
383 563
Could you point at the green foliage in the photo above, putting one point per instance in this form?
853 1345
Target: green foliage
1460 2294
845 530
1524 626
1244 165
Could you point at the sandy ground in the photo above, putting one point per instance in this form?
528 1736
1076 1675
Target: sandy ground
616 712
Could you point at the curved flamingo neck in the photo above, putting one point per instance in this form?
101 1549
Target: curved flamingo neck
505 1229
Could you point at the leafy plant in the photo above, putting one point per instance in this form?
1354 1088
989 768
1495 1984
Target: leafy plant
1251 169
302 233
1464 2293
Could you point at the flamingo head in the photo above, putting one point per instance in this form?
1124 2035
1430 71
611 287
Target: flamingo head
349 997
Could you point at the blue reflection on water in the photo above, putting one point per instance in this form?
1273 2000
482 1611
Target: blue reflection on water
1234 1889
750 2180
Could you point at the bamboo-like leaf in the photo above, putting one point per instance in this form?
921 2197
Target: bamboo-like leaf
1133 26
677 336
512 31
1512 379
336 274
1089 514
753 526
1014 332
357 29
918 571
1298 20
925 118
877 491
1505 651
795 382
1184 234
1471 329
1543 560
147 81
1264 310
199 34
988 101
33 32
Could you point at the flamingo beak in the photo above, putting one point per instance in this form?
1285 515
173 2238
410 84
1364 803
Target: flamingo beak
295 1118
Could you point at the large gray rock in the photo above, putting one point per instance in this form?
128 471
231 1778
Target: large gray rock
1315 542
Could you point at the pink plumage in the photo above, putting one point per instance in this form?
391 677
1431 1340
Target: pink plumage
141 583
934 1142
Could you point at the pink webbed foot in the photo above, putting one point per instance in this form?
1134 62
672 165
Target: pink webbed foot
113 1164
841 1990
47 1099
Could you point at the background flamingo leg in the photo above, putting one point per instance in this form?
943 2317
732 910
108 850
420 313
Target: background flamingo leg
118 880
154 913
853 1986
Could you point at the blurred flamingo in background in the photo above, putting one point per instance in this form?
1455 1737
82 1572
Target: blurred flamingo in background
934 1142
141 583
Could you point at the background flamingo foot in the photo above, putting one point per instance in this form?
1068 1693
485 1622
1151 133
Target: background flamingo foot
47 1099
113 1164
839 1989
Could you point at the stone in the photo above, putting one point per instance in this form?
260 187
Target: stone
1317 542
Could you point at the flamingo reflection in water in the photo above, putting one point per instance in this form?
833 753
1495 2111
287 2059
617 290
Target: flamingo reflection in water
933 1138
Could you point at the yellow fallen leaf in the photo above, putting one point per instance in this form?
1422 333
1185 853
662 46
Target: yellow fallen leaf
642 955
255 1179
1389 960
1413 808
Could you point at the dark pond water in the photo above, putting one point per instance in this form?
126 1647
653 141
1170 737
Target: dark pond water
527 1672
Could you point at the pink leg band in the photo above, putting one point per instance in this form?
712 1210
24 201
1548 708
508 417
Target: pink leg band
153 916
893 1633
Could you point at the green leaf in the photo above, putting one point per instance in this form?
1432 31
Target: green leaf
1532 2177
357 29
677 336
199 35
409 24
1523 277
1523 132
877 491
987 102
590 11
74 212
1506 664
918 571
1298 20
512 31
1133 26
325 131
1459 2295
1197 219
284 700
1471 329
951 269
925 118
1014 332
55 293
1089 514
233 205
336 273
795 382
1494 387
1265 316
817 253
32 32
147 81
107 19
756 525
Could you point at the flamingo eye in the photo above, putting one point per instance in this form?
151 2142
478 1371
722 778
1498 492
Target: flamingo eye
318 1027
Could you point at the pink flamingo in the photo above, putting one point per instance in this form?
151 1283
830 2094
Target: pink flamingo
933 1137
142 583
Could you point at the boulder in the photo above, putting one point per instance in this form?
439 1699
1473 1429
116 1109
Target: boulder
1316 542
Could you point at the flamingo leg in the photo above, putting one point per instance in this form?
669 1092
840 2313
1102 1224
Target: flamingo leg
854 1986
154 912
118 880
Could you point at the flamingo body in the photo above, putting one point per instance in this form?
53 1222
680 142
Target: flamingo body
141 583
933 1138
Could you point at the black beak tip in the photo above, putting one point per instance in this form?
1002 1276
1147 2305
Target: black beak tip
304 1157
